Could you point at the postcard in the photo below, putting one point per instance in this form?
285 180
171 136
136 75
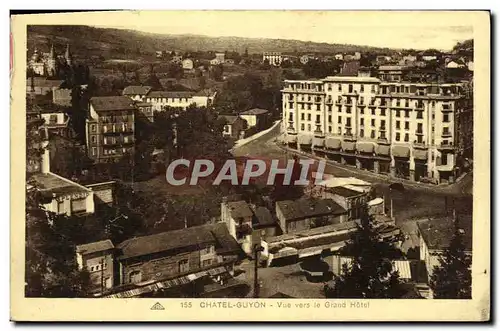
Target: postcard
250 166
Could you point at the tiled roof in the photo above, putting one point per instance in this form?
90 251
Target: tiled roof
136 90
57 185
438 232
170 94
98 246
344 192
230 119
112 103
304 208
194 236
44 82
255 111
239 209
264 217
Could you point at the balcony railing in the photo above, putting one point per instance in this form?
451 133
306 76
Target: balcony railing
419 132
446 134
446 146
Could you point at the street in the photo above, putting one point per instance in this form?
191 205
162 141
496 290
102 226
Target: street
417 201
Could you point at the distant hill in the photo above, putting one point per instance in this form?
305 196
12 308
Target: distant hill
86 41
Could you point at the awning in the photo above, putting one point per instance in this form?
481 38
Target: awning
318 142
291 138
383 150
348 146
305 139
419 154
401 151
333 143
365 147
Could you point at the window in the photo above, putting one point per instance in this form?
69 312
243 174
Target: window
309 106
398 136
302 116
348 122
362 121
407 137
348 109
94 150
134 277
420 114
373 111
93 128
183 265
382 124
362 88
444 157
330 129
373 122
372 134
290 105
373 88
302 127
308 117
318 119
308 127
361 133
329 118
94 139
340 87
340 120
206 263
398 125
60 207
420 127
407 125
329 107
361 111
407 113
446 117
350 88
398 113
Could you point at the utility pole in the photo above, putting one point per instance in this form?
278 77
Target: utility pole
256 286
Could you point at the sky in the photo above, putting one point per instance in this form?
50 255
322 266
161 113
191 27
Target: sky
416 30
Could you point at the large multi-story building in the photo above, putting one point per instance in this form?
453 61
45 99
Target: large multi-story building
409 130
110 128
274 58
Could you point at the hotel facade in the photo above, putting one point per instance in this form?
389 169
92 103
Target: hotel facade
417 131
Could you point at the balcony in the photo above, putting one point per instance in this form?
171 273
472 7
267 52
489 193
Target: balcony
339 103
419 145
419 132
446 146
372 105
329 101
446 134
419 107
350 93
382 140
446 109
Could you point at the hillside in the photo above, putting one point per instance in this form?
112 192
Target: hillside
86 41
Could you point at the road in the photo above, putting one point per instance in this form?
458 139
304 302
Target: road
418 200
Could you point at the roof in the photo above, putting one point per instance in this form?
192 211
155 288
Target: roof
44 82
264 216
170 94
350 68
345 192
342 78
438 232
239 209
98 246
255 111
118 102
136 90
225 243
394 68
342 181
57 185
308 207
165 241
230 119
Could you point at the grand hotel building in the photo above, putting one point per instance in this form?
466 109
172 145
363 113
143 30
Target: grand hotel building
418 131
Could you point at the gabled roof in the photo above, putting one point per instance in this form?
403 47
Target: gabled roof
230 119
165 241
344 191
136 90
255 111
310 207
94 247
118 102
55 185
170 94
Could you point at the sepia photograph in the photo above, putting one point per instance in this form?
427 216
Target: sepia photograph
289 157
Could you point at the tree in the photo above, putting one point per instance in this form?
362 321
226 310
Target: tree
452 279
370 273
216 72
